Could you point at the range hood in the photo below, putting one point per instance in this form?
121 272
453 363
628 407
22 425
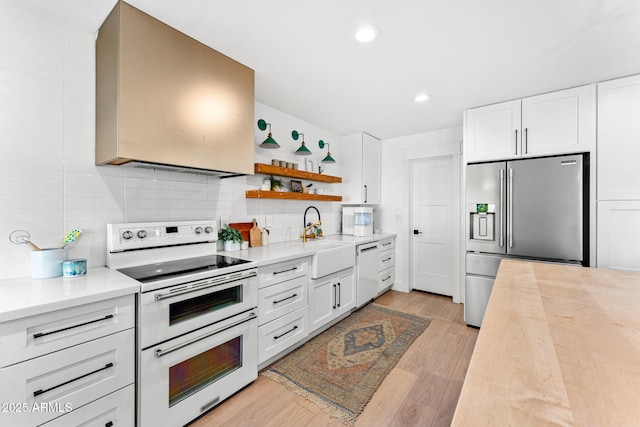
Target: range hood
170 168
168 102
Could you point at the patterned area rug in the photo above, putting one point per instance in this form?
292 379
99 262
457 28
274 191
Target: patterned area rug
340 369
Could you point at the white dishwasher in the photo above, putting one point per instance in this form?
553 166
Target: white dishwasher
367 262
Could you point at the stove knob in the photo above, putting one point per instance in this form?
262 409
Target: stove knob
198 230
142 234
208 229
127 235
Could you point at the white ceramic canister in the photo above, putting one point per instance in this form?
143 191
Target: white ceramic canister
47 263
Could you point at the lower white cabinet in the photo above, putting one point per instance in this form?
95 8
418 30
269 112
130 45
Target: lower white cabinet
113 410
68 378
619 235
330 297
282 333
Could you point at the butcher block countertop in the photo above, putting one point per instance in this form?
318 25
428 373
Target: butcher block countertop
559 345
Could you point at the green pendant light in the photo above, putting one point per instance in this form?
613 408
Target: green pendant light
269 142
328 158
303 150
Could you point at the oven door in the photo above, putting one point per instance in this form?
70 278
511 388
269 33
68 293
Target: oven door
185 377
180 309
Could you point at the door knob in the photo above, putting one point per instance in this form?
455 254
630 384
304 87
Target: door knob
417 232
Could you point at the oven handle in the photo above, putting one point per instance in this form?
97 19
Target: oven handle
160 352
221 281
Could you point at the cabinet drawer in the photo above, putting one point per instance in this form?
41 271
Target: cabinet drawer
282 271
115 409
281 334
387 259
71 377
386 279
387 244
34 336
282 298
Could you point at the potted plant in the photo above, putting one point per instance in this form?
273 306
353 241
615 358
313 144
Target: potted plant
276 184
231 237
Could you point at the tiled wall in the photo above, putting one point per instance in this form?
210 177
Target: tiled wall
49 183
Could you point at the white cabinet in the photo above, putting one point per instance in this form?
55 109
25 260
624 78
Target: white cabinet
619 139
618 225
330 297
386 267
619 235
552 123
361 177
282 308
65 359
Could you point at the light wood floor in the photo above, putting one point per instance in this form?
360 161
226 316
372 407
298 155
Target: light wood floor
422 390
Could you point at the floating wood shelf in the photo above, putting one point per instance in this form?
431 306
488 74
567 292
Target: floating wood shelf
261 194
294 173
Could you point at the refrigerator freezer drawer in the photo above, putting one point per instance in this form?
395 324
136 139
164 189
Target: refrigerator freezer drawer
482 264
477 293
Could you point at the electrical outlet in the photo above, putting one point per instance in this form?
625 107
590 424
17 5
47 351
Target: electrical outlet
224 221
268 221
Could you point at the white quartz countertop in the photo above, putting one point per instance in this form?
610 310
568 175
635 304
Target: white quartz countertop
24 296
285 251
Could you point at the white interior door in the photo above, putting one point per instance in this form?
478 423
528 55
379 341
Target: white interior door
433 218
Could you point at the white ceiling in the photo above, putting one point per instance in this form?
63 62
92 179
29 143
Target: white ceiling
464 53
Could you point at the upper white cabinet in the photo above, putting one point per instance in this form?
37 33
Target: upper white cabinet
619 139
553 123
361 177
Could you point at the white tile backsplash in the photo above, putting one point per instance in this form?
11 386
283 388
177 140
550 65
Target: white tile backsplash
49 183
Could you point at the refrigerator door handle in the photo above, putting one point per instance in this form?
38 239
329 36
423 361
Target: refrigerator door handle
510 228
516 142
501 207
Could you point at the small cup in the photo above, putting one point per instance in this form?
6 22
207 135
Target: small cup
289 165
275 162
295 166
283 164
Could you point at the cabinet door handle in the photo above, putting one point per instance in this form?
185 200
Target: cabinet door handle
43 334
339 296
284 299
285 271
386 259
516 142
368 249
109 424
526 140
39 392
275 337
366 193
386 244
334 296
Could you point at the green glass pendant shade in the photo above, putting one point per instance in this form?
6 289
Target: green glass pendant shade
303 150
269 143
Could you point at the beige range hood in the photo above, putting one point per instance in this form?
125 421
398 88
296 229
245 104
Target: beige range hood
168 102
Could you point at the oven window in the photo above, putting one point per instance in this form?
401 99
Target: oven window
194 307
194 374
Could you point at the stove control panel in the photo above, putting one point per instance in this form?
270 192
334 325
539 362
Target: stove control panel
126 236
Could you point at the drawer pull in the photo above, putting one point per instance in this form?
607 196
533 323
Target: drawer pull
386 278
284 299
210 404
386 259
39 392
371 248
387 244
275 337
109 424
42 334
285 271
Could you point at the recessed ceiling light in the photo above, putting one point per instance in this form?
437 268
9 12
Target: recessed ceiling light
367 33
421 97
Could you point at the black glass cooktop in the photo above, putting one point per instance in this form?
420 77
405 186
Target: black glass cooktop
163 270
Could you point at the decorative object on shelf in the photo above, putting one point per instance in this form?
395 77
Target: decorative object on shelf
328 158
302 150
231 237
269 142
306 188
296 186
276 184
266 185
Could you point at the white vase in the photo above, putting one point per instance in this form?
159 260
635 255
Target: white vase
230 246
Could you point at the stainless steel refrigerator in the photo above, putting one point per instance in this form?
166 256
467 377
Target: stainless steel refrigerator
527 208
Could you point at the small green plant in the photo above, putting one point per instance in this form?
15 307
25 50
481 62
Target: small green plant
275 184
229 234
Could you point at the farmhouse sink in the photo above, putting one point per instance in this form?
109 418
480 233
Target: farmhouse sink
330 257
